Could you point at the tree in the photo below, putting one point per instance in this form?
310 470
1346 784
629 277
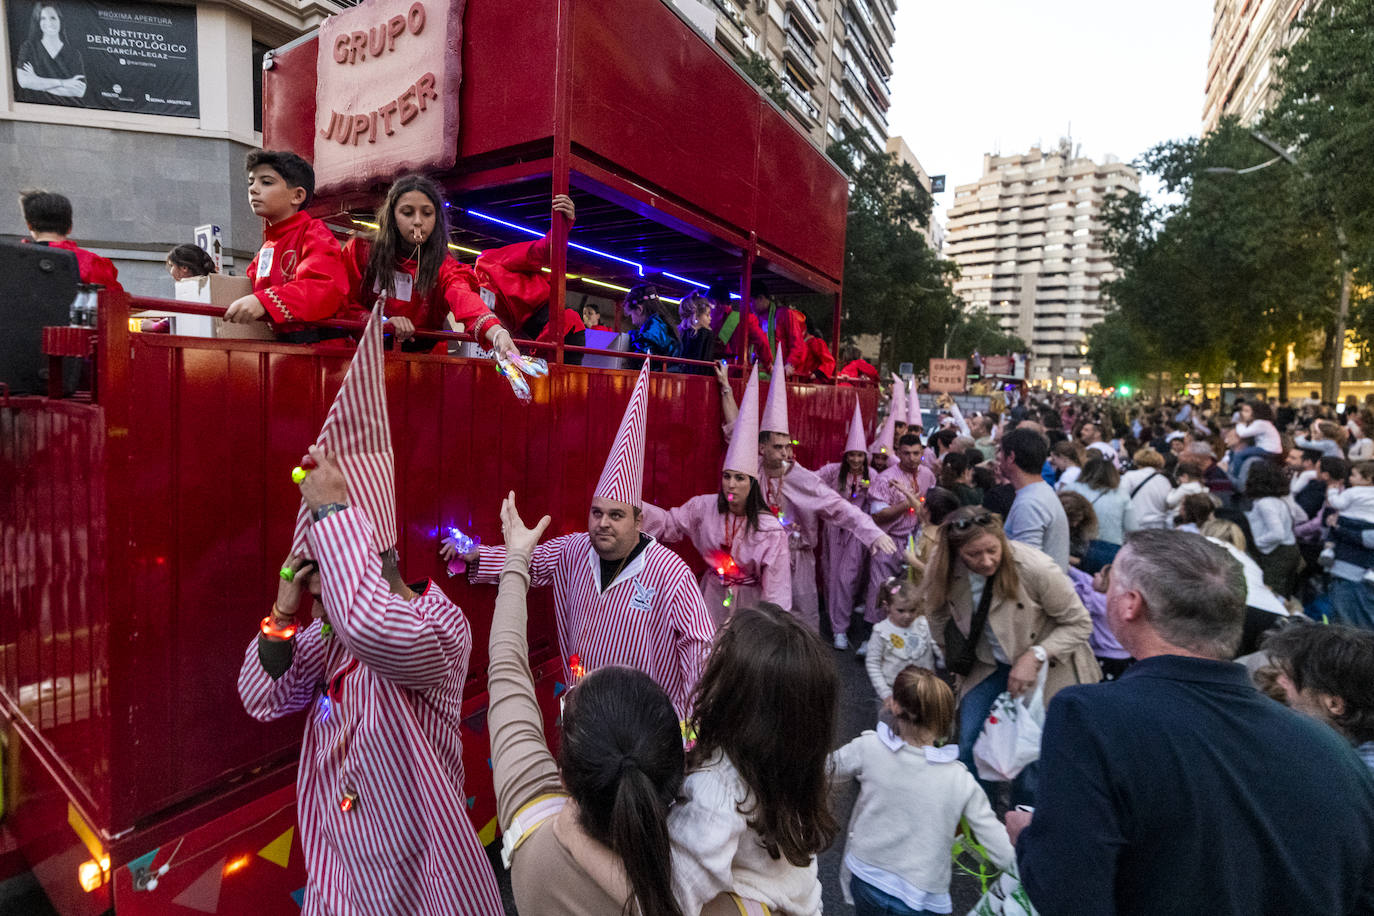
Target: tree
1227 273
761 72
895 285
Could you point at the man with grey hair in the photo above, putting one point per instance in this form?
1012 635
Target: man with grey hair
1179 788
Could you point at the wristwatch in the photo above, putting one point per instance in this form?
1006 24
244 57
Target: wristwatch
328 509
1040 654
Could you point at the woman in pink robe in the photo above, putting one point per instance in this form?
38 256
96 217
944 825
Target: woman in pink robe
846 557
744 546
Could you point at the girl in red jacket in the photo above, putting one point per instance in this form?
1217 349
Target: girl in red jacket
409 260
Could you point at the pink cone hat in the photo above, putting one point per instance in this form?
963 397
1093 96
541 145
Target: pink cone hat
856 442
884 444
774 418
897 409
743 454
914 409
622 479
357 436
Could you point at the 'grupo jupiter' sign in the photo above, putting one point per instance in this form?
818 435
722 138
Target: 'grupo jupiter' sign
387 95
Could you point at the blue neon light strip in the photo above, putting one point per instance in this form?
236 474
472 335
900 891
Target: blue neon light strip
685 280
639 268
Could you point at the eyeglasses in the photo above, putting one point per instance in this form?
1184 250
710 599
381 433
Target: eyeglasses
981 520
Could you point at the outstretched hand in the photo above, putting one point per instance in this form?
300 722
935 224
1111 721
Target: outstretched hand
518 537
884 545
562 203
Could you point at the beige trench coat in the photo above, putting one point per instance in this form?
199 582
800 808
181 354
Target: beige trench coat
1046 612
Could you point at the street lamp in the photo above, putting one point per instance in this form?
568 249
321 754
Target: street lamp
1333 381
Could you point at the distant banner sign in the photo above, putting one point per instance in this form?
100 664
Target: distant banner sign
937 184
999 365
948 376
107 55
386 98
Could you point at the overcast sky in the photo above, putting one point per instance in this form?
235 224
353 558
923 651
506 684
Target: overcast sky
979 76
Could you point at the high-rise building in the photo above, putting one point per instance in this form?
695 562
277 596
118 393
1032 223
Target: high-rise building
932 230
834 58
1027 237
1240 67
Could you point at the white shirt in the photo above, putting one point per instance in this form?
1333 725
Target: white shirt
1151 488
1070 474
1355 503
892 648
910 802
716 852
1265 434
1271 522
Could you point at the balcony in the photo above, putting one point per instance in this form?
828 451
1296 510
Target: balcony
733 30
809 18
802 52
800 102
857 18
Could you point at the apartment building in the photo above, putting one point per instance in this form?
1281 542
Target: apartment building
1027 237
834 58
153 144
1240 66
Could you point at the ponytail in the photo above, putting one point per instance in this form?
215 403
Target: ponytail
639 836
622 761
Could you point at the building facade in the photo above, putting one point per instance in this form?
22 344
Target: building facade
1027 237
834 58
1240 66
144 166
933 232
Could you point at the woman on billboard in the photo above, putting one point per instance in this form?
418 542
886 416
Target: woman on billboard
46 62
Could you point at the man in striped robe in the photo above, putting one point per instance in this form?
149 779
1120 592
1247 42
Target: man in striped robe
379 671
620 597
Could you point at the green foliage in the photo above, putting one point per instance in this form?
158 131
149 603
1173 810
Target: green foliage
895 285
1230 269
758 69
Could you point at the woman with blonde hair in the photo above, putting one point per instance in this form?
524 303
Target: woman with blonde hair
1000 610
1147 487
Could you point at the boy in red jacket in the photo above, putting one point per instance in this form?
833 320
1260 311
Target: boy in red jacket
49 218
298 274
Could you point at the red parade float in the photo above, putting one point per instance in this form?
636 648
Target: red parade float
141 526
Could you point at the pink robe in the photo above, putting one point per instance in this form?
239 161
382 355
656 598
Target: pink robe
651 618
762 571
803 501
383 697
846 557
882 494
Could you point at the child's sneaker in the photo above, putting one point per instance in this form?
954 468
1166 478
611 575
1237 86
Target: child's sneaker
1368 578
1327 558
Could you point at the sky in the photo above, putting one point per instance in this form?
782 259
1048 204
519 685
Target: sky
986 76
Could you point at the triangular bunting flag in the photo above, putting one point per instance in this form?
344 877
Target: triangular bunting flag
472 800
487 833
203 893
299 897
558 688
278 852
142 863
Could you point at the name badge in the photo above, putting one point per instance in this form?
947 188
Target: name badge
488 297
265 255
403 282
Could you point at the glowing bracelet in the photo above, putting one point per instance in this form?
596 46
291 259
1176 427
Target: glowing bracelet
282 633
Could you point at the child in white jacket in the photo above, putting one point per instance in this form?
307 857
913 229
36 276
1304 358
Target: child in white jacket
1355 502
913 791
1189 482
902 639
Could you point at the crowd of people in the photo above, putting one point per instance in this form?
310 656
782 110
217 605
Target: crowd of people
1188 586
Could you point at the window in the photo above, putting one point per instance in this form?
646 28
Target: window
259 52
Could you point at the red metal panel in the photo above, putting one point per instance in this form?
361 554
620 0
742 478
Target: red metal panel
803 198
508 56
288 99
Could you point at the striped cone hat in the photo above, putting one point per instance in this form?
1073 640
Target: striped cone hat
357 436
743 454
775 410
622 479
856 442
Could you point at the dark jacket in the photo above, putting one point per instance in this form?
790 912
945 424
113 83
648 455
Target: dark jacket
1181 789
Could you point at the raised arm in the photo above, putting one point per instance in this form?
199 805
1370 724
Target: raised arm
279 676
522 767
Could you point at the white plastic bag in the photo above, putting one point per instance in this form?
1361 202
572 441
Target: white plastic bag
1011 733
1004 897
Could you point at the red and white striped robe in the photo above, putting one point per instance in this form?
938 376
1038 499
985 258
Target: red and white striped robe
395 670
652 618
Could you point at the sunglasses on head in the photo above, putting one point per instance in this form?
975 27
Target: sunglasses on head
981 520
